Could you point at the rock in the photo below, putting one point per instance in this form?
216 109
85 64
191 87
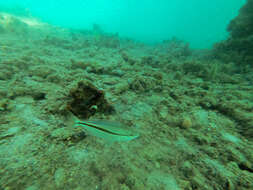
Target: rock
86 100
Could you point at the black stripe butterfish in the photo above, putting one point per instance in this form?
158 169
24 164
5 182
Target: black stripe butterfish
109 130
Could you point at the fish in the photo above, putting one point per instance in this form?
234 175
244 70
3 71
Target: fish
108 130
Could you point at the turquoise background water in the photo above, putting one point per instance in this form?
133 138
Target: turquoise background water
199 22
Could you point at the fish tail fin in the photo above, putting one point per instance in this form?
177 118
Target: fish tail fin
72 120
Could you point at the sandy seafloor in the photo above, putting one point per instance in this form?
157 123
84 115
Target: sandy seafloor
194 114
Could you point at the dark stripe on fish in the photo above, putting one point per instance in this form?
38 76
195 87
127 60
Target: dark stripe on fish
101 129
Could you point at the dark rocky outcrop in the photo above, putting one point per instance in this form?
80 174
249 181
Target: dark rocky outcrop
238 47
86 100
